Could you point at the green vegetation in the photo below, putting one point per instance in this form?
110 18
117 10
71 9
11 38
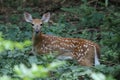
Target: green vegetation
99 23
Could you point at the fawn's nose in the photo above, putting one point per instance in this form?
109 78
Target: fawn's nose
37 30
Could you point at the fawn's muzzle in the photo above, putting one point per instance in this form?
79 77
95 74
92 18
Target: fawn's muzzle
37 31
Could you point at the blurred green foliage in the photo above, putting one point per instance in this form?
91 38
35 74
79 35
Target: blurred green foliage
36 71
15 43
11 45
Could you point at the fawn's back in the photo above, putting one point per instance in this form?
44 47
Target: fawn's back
84 51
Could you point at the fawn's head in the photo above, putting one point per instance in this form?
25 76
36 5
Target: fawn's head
37 23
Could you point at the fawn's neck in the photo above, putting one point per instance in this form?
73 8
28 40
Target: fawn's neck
37 38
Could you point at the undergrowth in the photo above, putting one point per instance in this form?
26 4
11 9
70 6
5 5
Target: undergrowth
100 26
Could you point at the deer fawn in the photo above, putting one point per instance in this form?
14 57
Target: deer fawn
84 51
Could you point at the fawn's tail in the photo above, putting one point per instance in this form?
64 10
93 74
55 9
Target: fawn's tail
96 59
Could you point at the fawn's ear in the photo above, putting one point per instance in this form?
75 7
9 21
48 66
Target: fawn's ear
46 17
28 17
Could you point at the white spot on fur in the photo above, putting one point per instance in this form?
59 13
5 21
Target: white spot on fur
81 50
79 54
80 46
85 45
79 59
82 54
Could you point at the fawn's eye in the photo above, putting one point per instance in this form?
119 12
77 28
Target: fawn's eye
40 24
32 24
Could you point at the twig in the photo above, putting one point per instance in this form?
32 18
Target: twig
90 29
92 1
